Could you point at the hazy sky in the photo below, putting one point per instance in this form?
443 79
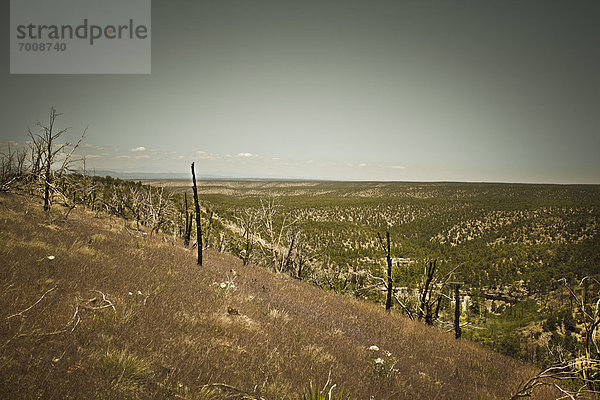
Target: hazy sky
377 90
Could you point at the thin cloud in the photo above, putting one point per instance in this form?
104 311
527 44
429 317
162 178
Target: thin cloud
393 166
137 149
245 155
92 146
144 156
203 155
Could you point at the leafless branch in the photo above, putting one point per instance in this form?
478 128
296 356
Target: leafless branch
104 299
20 313
555 375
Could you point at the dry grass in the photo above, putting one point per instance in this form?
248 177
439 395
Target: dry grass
176 327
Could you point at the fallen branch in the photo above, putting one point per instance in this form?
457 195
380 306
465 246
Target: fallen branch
75 319
235 393
20 313
104 299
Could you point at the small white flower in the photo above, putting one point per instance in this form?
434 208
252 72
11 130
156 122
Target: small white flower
131 294
139 292
388 354
374 348
379 361
180 385
223 285
50 257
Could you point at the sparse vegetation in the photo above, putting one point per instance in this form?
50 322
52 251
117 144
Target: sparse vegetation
171 333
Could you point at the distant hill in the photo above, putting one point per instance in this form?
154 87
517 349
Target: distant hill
137 175
134 175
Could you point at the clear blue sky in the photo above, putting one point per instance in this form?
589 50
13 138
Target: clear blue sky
377 90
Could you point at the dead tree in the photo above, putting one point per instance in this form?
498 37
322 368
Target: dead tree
159 209
269 210
425 308
44 156
578 377
589 314
388 257
134 202
457 329
248 222
198 225
302 256
48 138
291 254
432 293
12 168
275 236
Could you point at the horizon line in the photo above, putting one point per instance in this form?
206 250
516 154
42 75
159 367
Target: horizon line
208 177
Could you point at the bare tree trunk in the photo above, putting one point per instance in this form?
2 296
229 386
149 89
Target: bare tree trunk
288 257
388 257
425 309
198 226
390 285
189 228
48 177
44 156
457 330
300 265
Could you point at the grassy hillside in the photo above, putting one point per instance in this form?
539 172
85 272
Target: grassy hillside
92 308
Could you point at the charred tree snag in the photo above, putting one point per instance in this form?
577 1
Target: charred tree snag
457 330
288 260
198 226
388 257
425 309
189 227
430 302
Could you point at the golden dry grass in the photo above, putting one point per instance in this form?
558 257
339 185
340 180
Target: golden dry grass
176 327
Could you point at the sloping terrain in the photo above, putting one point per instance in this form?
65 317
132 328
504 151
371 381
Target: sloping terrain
92 308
